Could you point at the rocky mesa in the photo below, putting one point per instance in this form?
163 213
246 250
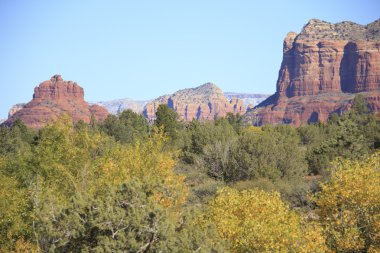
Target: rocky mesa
323 67
53 98
201 103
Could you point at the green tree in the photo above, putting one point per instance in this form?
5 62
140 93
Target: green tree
127 219
236 120
15 139
273 153
354 134
366 121
82 185
77 189
168 119
128 127
210 147
15 219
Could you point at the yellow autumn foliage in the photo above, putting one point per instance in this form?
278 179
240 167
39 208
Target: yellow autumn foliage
258 221
149 163
253 129
82 160
22 246
349 205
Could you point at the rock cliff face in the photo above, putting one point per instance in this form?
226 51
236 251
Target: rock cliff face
15 108
53 98
322 68
201 103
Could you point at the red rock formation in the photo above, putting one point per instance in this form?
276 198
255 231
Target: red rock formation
53 98
322 68
202 103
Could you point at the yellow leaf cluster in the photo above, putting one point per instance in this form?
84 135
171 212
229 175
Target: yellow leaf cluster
81 160
253 129
349 205
148 163
258 221
23 246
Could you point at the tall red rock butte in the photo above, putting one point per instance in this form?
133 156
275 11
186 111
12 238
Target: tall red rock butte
201 103
323 68
53 98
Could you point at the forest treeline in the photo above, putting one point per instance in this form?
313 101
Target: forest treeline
220 186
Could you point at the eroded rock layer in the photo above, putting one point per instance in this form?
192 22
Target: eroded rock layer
322 68
53 98
201 103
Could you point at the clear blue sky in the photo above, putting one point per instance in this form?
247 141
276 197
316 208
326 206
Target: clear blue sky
143 49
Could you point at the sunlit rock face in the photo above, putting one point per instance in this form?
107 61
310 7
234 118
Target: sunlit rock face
323 68
201 103
51 99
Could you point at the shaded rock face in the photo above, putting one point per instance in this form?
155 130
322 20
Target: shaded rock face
201 103
53 98
301 110
321 68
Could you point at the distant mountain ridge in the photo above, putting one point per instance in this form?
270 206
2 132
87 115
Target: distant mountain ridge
118 105
249 99
323 68
202 103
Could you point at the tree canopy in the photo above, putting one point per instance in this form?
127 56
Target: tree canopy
215 186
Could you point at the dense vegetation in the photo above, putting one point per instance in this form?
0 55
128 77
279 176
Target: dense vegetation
220 186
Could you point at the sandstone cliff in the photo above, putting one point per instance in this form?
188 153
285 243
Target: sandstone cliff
201 103
53 98
322 68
